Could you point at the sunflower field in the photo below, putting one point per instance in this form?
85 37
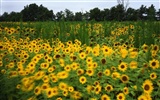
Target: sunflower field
79 60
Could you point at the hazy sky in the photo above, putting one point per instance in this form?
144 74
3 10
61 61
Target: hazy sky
73 5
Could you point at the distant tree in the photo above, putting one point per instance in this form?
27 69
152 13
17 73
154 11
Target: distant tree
95 14
142 13
78 16
5 16
131 14
124 4
106 14
86 16
60 15
34 12
151 11
69 16
117 13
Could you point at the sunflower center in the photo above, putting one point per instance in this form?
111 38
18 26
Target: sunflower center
146 87
122 66
153 63
108 88
120 97
124 78
36 90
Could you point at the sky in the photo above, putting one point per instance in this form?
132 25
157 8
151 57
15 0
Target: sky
72 5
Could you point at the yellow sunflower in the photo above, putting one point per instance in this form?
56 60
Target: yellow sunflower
121 96
142 97
105 97
124 78
123 66
37 90
109 88
82 79
147 86
153 75
125 90
107 72
154 64
133 64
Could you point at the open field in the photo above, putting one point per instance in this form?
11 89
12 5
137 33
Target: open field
80 61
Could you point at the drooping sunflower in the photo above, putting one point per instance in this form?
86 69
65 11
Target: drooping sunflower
124 78
147 86
123 66
82 79
105 97
154 64
121 96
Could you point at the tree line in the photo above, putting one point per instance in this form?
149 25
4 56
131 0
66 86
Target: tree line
33 12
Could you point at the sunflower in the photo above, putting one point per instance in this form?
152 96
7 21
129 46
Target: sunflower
153 75
115 75
67 68
45 86
82 55
80 72
121 96
145 47
124 78
97 89
55 91
123 66
147 86
125 90
154 64
49 93
82 79
37 90
65 93
76 95
45 79
124 53
133 64
142 97
103 61
89 60
62 75
59 98
75 66
109 88
63 86
105 97
70 88
90 72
